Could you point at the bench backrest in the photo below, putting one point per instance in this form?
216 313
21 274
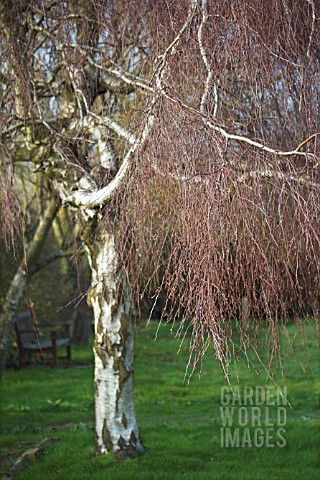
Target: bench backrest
26 330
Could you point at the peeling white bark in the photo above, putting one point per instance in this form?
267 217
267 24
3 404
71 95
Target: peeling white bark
100 197
116 426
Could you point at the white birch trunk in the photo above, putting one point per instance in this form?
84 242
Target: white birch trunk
116 426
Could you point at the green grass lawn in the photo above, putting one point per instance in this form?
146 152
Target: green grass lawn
180 424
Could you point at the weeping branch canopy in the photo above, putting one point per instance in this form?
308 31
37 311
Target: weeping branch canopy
193 127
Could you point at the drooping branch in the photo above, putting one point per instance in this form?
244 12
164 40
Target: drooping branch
98 198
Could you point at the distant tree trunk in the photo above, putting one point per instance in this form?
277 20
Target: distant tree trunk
116 426
19 281
58 234
82 325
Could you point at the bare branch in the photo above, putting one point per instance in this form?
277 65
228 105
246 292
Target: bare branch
311 2
115 126
260 146
277 174
206 62
171 49
40 265
129 82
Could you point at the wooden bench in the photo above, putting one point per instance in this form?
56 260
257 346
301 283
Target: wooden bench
31 342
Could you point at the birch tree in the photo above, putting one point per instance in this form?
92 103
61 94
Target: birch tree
184 135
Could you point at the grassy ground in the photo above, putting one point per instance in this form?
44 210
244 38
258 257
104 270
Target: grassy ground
181 425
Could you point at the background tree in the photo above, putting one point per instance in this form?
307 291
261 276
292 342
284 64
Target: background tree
45 254
18 284
184 136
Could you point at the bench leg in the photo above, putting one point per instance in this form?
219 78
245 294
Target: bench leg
21 358
69 353
54 352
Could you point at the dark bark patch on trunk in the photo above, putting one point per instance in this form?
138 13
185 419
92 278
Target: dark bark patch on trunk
124 420
120 290
124 328
122 443
106 294
123 376
108 346
99 328
106 436
133 440
114 311
87 234
100 353
126 450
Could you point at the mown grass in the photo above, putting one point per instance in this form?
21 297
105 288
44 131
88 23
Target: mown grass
180 424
